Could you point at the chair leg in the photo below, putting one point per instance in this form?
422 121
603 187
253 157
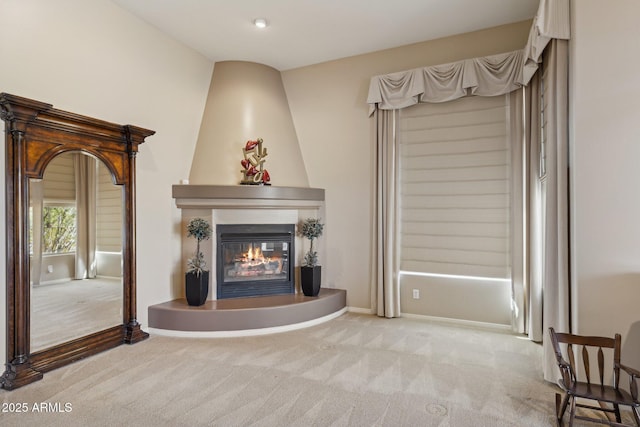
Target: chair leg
561 407
636 415
573 411
616 410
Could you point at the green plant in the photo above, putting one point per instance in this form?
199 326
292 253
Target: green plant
201 230
58 229
311 228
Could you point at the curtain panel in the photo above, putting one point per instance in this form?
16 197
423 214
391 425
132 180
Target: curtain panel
555 272
535 212
386 295
36 188
85 175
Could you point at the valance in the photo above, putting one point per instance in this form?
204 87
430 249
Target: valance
487 76
551 22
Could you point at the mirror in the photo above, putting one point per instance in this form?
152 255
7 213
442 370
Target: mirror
36 134
75 245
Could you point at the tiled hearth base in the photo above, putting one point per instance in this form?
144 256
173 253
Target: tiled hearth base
246 316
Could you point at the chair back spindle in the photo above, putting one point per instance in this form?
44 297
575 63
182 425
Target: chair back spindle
586 364
601 365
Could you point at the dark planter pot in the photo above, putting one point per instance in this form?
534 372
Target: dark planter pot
310 280
197 287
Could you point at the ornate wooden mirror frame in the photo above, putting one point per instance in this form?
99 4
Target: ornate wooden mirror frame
35 133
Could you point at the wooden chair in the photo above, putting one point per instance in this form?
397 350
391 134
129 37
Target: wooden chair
608 397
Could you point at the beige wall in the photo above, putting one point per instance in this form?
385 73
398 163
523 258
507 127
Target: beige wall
605 175
246 101
328 104
95 59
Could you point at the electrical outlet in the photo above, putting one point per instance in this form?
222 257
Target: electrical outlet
416 294
49 268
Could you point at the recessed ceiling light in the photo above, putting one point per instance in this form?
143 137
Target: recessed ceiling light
260 23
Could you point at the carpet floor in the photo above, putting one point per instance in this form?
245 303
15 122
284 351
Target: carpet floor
355 370
73 309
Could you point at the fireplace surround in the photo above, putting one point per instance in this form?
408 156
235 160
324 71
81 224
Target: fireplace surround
246 206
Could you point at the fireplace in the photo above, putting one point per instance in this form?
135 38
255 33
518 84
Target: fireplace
254 260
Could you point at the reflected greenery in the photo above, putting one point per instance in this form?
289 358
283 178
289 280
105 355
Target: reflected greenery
59 229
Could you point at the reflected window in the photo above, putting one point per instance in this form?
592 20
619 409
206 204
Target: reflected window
59 234
59 229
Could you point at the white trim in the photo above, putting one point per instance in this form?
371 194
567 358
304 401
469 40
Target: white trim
247 332
57 254
360 310
53 282
454 276
460 322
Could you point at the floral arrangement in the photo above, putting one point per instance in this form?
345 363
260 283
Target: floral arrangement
311 228
201 230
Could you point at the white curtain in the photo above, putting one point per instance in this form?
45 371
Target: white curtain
36 197
386 292
518 218
85 171
535 213
556 301
551 22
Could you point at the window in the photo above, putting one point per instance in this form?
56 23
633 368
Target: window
454 188
58 229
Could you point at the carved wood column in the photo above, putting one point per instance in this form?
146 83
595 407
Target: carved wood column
133 332
18 367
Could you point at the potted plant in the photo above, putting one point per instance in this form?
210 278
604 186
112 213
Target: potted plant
310 272
197 276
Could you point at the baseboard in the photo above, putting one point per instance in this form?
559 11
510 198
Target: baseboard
360 310
71 279
53 282
460 322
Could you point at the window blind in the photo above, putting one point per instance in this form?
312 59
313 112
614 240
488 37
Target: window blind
108 213
59 185
454 169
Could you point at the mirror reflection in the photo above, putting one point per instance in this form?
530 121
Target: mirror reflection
75 245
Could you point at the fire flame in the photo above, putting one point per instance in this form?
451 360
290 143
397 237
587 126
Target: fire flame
254 263
255 254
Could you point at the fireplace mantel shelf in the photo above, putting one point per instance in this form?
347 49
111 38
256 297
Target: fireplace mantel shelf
246 196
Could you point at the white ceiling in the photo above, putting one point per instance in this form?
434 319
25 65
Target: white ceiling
305 32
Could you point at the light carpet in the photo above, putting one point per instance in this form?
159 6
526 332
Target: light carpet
356 370
64 311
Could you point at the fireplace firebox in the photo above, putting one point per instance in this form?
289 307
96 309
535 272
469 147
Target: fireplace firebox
254 260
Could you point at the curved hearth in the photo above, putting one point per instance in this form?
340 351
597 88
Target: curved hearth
246 316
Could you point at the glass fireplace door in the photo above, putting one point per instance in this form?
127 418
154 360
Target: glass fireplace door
254 260
258 259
